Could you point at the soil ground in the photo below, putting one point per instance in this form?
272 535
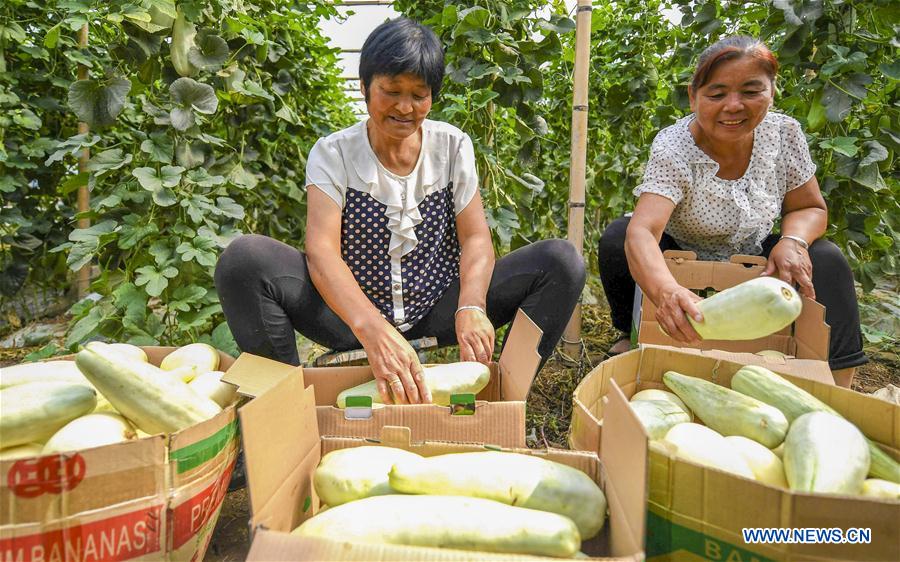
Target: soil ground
549 411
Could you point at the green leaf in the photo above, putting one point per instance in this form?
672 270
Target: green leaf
189 154
191 96
559 24
131 299
196 319
251 88
160 147
241 177
891 70
842 145
202 178
474 18
815 118
288 115
200 250
156 280
184 297
869 176
98 102
877 153
135 229
223 340
102 162
27 119
230 208
86 327
837 103
72 183
209 51
159 183
482 97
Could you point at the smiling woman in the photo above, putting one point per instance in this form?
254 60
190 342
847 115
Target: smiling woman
397 244
717 182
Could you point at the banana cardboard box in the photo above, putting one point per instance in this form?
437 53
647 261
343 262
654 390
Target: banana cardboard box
156 498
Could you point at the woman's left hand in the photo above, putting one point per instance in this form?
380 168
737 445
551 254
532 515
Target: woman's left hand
790 262
475 335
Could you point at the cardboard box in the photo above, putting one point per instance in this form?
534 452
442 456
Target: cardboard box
808 338
156 498
499 416
696 512
280 467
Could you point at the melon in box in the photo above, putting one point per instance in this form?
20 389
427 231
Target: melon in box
698 512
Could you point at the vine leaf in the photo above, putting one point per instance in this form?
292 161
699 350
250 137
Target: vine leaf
107 160
156 280
160 147
209 51
99 102
191 96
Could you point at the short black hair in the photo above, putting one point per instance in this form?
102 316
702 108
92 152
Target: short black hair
402 46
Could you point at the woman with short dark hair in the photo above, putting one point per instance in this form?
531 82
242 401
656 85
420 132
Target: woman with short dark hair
716 183
397 244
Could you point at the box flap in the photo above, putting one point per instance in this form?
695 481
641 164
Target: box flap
279 431
253 375
623 452
813 335
809 369
519 360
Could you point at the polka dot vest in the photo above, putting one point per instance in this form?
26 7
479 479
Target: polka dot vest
398 233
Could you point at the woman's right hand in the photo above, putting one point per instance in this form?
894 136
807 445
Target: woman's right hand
675 303
395 365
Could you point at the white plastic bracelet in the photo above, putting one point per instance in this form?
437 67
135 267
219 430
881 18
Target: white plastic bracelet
796 239
470 307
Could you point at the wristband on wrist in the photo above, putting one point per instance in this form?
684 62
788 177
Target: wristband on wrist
796 239
470 307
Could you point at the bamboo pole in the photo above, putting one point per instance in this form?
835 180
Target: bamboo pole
83 280
578 159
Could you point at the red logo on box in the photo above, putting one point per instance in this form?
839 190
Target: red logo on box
30 478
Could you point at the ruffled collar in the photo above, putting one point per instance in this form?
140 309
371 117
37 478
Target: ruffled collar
401 195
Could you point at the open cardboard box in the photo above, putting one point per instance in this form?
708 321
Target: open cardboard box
156 498
695 512
280 466
499 416
806 341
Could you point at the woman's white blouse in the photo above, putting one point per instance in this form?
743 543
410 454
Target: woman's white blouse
715 217
398 233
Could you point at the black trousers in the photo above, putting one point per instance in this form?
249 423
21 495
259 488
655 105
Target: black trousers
832 279
266 293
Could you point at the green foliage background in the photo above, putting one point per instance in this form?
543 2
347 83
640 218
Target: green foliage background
180 164
839 78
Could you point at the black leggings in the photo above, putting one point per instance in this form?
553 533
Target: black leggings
832 279
266 294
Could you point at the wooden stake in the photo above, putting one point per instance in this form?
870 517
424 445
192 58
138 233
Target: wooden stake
578 162
83 280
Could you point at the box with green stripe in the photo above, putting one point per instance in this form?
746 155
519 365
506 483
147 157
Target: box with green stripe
697 512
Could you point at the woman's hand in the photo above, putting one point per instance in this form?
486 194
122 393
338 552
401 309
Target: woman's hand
790 262
675 303
395 365
475 335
